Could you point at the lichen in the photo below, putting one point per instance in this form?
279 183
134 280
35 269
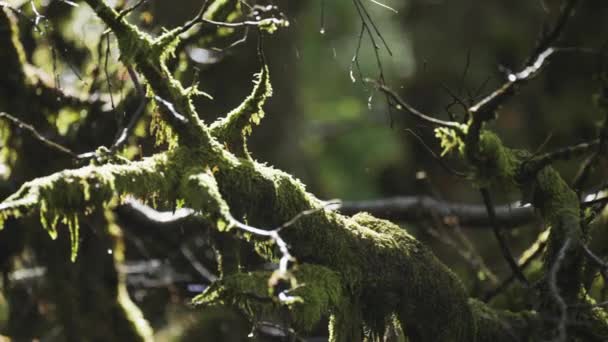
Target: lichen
450 140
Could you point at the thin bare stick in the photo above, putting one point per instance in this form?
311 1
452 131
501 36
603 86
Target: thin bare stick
554 290
121 139
36 135
498 232
406 107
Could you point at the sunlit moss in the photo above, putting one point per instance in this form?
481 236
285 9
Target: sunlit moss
319 291
63 196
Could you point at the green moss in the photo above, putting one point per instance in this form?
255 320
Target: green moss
497 325
162 132
555 199
498 165
63 196
200 192
234 128
318 289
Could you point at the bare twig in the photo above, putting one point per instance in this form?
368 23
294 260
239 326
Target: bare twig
128 10
105 70
499 234
551 37
406 107
441 162
177 117
36 135
246 23
554 291
531 167
121 138
526 258
601 264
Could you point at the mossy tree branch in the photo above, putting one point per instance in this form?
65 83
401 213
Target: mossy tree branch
362 270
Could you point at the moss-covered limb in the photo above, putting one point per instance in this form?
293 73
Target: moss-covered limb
497 325
150 56
559 207
233 129
494 164
497 165
67 194
381 265
316 291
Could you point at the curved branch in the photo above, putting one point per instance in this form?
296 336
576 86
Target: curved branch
415 113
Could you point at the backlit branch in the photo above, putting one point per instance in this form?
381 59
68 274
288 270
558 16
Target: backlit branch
402 105
36 135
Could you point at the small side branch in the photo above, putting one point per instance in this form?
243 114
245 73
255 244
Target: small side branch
402 105
36 135
533 64
532 167
498 232
555 292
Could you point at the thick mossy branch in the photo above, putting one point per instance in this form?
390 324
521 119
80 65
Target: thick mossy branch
383 269
234 128
362 270
496 165
65 195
